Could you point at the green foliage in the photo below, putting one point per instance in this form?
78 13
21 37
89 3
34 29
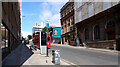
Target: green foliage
29 37
44 29
3 37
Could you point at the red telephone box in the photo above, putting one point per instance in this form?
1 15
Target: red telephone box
36 39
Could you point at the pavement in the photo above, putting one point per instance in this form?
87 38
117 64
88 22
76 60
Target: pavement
38 59
23 56
18 56
86 56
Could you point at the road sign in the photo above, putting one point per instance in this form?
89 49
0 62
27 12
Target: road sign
47 24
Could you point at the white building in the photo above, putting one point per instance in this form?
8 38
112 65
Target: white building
43 24
38 27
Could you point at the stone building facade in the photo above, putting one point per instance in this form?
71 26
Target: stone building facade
10 21
97 23
67 23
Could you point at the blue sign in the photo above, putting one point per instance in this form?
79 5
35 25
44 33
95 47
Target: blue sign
47 24
57 32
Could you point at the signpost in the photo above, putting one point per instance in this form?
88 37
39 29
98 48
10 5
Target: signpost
47 25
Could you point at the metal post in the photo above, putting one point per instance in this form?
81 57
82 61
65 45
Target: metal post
47 42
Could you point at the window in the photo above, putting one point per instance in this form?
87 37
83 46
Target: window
65 21
91 10
79 3
65 39
12 6
79 16
86 34
96 32
107 4
72 37
72 18
110 24
68 20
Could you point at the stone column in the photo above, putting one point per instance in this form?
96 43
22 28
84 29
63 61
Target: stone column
0 33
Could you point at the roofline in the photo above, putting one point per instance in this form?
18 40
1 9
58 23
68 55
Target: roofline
66 5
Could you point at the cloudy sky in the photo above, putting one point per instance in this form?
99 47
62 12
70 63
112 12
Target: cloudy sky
36 12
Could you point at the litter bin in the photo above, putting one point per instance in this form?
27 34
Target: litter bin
56 56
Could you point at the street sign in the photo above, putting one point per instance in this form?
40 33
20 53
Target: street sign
47 24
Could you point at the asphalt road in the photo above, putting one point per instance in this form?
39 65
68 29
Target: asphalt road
87 56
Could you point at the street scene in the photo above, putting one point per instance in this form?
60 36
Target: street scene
63 33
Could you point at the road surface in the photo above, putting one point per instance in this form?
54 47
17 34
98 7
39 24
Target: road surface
86 56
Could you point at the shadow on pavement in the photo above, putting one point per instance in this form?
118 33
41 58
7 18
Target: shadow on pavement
17 57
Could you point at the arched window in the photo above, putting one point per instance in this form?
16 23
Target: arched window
86 33
110 30
96 32
110 24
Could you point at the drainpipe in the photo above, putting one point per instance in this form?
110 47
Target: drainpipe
0 33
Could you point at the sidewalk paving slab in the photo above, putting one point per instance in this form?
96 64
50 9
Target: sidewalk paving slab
23 56
38 59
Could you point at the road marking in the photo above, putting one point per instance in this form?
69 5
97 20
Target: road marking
70 63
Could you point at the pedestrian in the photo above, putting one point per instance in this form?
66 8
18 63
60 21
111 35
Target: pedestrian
23 42
84 45
77 42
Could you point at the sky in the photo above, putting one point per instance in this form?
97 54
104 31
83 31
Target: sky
36 12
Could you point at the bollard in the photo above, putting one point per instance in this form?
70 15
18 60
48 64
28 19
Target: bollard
53 51
56 57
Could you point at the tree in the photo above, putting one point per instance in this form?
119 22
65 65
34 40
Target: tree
44 29
29 37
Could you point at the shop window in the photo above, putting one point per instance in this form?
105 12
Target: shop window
86 34
96 32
